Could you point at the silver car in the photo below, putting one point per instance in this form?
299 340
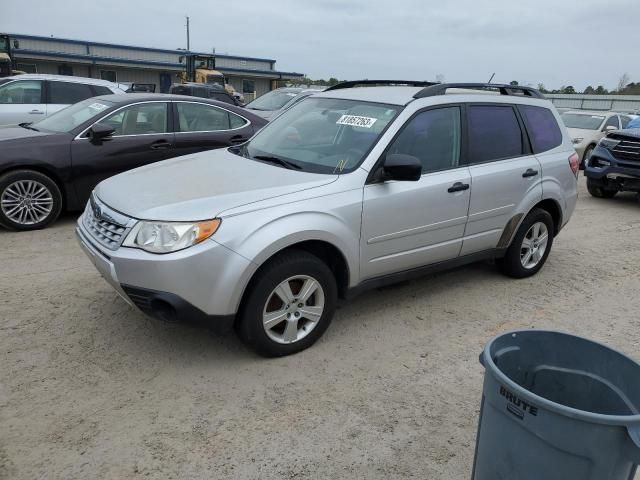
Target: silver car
30 97
350 189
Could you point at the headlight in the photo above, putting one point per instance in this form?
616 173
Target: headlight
577 140
165 237
608 143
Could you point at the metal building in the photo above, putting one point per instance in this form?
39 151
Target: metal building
583 101
124 63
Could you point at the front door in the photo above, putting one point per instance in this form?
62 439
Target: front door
142 136
411 224
22 101
504 174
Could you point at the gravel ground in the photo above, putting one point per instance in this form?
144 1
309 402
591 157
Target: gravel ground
91 388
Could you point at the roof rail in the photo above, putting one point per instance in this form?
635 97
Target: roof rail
380 83
441 89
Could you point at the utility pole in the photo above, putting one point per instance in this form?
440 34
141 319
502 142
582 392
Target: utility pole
188 46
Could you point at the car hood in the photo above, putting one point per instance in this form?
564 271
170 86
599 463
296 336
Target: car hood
9 132
266 114
201 186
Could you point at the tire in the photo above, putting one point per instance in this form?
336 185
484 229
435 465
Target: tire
297 269
29 200
586 156
515 263
598 191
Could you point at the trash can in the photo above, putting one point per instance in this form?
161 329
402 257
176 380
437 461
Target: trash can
557 407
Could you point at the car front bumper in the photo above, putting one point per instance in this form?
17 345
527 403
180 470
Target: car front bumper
203 283
621 174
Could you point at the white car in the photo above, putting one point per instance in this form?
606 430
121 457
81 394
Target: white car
32 97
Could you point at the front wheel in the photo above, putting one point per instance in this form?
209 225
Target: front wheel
29 200
530 247
598 191
587 155
289 306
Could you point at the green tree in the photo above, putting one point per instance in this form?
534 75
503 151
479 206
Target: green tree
542 88
569 89
600 90
590 90
513 82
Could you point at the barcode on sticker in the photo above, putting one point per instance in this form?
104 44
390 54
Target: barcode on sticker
356 121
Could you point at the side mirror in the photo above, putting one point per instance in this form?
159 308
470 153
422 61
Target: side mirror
402 167
610 128
100 132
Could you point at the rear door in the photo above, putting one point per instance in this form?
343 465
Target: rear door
22 101
63 94
142 136
505 175
202 126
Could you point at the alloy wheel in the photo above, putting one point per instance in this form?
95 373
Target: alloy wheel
26 202
534 245
293 309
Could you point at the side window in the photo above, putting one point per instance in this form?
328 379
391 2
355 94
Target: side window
67 93
432 136
197 117
144 118
101 90
494 133
236 121
542 126
624 121
21 92
612 122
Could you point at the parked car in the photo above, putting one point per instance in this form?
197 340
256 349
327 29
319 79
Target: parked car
349 189
587 128
32 97
54 164
614 165
203 90
277 101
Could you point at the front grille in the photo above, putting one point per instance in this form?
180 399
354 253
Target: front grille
106 226
627 149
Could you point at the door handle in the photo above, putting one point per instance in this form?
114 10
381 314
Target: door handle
36 112
238 139
530 173
160 145
458 187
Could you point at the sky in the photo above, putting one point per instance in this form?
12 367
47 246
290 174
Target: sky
554 42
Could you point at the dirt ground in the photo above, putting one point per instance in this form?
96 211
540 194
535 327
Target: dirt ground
91 388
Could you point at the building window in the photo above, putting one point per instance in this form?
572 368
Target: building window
109 75
243 63
27 67
65 69
248 86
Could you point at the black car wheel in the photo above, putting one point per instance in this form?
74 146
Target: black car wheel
587 155
530 247
599 191
289 304
29 200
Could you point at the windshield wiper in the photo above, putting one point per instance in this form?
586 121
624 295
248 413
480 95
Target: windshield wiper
279 161
28 126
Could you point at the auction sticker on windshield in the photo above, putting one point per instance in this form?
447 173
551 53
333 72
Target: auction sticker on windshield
356 121
98 107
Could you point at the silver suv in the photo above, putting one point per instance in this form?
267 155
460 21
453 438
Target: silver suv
350 189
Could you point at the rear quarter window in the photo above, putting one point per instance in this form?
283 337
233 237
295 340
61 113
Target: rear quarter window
543 129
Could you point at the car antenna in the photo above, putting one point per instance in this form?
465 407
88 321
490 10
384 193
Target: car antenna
493 75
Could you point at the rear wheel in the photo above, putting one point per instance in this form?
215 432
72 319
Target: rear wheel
530 247
599 191
29 200
290 304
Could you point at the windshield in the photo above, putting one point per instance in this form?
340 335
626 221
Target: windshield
4 45
271 101
73 116
322 135
583 121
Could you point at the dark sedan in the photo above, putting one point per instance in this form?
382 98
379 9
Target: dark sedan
54 164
